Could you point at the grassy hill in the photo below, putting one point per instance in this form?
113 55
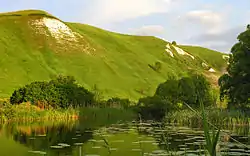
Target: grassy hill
35 45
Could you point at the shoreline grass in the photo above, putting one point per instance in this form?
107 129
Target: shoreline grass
27 112
222 117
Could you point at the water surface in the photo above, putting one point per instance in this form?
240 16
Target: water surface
122 138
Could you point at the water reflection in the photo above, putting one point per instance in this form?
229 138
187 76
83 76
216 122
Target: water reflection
54 139
123 138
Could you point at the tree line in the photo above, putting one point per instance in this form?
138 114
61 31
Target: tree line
61 92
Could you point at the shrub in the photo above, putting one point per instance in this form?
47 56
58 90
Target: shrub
173 93
60 92
118 102
156 67
174 43
153 107
190 90
7 111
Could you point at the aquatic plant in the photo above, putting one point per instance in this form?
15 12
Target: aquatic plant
211 141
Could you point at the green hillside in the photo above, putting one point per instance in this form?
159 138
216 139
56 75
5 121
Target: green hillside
34 45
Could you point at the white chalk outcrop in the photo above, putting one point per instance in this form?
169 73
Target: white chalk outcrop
226 57
182 52
168 49
204 65
177 49
56 28
60 32
211 70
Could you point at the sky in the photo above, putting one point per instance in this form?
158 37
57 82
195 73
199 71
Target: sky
214 24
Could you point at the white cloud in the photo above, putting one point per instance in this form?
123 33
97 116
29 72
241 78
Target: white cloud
212 21
206 16
105 11
149 30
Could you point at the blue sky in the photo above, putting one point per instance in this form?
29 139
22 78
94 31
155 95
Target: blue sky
210 23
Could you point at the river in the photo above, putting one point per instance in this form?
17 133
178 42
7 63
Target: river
120 138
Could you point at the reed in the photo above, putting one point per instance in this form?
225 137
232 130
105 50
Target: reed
211 140
220 117
26 112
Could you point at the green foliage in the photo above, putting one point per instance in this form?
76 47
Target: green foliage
153 107
188 90
235 85
219 117
174 43
173 93
157 67
213 59
7 111
98 94
118 102
26 112
211 141
61 92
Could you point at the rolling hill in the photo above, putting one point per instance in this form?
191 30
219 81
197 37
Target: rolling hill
35 45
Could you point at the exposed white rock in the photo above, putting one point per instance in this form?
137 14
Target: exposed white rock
182 52
177 49
168 49
168 46
211 70
226 57
57 29
204 65
61 32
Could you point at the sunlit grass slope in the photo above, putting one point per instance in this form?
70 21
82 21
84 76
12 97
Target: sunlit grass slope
119 65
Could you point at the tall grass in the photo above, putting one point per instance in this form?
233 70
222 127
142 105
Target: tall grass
225 118
211 140
96 117
27 112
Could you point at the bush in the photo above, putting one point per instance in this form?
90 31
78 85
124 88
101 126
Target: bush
156 67
118 102
60 92
153 107
190 90
173 93
174 43
7 111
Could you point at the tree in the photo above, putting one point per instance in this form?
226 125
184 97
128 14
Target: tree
173 93
154 107
62 91
235 84
190 90
174 43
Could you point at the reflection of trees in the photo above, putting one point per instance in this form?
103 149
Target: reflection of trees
164 136
1 129
51 136
41 138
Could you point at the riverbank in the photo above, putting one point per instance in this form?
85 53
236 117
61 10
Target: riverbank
217 116
27 112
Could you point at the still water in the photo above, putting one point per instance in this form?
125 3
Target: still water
122 138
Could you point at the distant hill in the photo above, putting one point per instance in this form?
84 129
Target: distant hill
35 45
